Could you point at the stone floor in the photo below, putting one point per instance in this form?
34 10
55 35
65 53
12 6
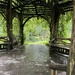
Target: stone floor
28 60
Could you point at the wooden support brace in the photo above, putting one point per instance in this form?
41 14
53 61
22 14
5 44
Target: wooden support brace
57 67
60 67
53 72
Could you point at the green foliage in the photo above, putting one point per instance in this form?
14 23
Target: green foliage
16 29
65 25
16 25
36 29
46 1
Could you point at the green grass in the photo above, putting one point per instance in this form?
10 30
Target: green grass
1 42
39 42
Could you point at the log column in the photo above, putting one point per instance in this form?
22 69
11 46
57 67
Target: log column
71 64
54 22
21 28
9 23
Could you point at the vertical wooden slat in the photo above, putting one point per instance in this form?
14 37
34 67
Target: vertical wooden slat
9 23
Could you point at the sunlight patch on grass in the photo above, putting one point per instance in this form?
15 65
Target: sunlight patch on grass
1 42
39 42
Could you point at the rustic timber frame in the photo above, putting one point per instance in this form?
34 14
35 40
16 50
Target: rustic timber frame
48 9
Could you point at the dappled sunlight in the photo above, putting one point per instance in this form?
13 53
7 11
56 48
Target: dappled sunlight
28 60
39 53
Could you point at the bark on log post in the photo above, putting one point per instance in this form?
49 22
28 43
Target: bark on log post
9 23
71 65
21 34
54 22
21 28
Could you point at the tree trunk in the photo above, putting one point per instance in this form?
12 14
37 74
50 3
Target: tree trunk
71 64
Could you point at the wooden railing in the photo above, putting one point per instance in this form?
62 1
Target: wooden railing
58 48
61 49
61 38
57 67
5 44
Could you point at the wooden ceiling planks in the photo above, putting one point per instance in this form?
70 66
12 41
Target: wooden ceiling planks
36 7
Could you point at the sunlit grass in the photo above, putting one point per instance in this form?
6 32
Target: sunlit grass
39 42
1 42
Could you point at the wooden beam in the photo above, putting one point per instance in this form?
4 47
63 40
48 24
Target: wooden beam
3 2
60 46
36 14
15 3
66 3
2 6
22 5
32 2
3 15
61 38
60 67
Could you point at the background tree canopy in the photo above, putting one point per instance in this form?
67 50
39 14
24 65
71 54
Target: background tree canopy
37 29
65 25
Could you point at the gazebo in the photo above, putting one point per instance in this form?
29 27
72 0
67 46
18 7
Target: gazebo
50 10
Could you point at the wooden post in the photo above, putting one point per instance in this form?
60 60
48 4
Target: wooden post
21 34
54 22
9 23
21 28
71 64
53 72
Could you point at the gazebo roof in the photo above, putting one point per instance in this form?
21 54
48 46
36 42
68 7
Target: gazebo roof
37 7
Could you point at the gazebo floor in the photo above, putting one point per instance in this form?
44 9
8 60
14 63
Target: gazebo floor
29 60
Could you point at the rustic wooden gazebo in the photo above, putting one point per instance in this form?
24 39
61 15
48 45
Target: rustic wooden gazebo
48 9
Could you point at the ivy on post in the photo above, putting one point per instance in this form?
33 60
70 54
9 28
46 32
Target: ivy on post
71 63
9 23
